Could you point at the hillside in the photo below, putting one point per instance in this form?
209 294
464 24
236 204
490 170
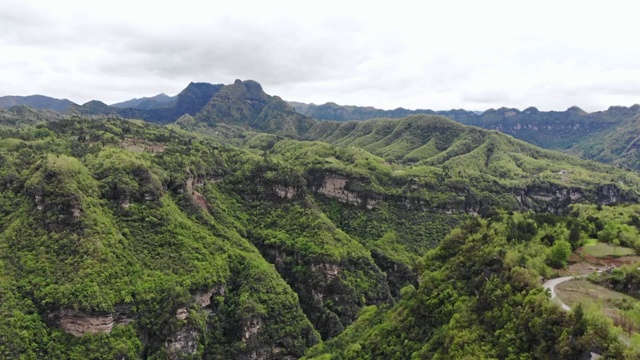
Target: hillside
590 135
21 115
479 298
334 112
122 238
39 102
603 136
618 146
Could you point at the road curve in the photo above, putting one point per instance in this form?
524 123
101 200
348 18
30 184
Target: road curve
551 285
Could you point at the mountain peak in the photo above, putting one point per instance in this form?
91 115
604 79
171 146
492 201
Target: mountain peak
576 110
245 103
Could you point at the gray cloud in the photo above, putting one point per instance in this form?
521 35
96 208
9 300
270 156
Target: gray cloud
434 56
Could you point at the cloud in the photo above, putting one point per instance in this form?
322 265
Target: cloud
458 54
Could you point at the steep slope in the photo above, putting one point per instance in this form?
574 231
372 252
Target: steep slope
160 100
245 104
100 240
480 297
37 102
618 146
163 241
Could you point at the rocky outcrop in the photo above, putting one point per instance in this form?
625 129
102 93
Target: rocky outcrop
330 270
287 192
198 198
554 198
78 323
202 298
336 187
251 328
398 274
609 194
184 341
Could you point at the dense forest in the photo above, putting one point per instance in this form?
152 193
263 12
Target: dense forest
246 230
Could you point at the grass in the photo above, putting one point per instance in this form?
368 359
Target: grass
590 242
613 303
599 249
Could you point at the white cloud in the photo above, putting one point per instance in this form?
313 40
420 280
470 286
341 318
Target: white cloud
438 55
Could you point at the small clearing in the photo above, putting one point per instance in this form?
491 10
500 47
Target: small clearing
600 249
614 303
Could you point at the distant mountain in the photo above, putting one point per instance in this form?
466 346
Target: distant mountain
335 112
158 101
189 101
244 103
37 102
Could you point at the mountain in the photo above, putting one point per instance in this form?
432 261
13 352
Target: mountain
244 103
158 101
37 102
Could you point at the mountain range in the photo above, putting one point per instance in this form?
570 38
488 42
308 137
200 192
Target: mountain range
608 136
228 225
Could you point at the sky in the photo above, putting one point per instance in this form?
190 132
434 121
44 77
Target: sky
439 55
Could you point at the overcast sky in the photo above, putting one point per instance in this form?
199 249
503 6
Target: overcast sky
415 54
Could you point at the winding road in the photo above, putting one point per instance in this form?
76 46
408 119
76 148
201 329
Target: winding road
551 285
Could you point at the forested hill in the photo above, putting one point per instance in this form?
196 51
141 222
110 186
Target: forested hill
606 136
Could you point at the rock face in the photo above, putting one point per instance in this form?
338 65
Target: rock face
78 323
336 187
183 342
327 299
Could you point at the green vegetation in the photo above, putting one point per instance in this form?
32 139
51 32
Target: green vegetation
621 308
479 297
603 250
384 239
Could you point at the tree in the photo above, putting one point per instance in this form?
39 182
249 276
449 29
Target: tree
616 243
574 236
559 254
